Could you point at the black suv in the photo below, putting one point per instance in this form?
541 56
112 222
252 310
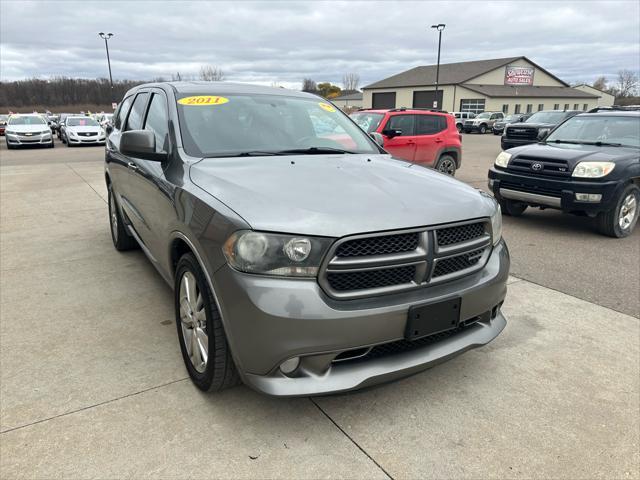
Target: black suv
589 165
535 127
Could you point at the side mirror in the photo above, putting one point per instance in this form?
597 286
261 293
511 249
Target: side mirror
393 132
542 134
141 144
379 139
108 128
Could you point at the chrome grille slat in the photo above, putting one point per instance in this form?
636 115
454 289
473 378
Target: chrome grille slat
392 268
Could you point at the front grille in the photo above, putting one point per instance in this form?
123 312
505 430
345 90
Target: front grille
87 134
543 167
549 191
458 263
367 279
391 262
460 233
525 133
385 245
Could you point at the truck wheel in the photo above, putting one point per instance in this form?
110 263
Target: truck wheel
483 128
446 164
511 208
203 343
119 234
620 221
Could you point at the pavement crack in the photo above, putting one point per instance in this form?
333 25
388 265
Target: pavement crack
351 439
106 402
85 181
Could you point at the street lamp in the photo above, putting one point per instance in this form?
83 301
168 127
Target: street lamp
106 37
440 28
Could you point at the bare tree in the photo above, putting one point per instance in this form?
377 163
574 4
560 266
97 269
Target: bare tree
350 82
600 83
627 83
309 85
177 77
211 73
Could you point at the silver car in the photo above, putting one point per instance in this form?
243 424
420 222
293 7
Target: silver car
81 130
304 259
28 130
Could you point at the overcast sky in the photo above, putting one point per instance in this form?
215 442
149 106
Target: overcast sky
269 41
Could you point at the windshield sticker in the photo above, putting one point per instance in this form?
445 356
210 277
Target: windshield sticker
203 100
326 106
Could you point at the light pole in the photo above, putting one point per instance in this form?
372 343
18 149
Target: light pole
440 28
106 37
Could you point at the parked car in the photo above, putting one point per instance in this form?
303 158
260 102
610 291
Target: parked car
105 119
538 125
82 130
498 127
588 165
482 123
61 118
302 263
425 137
28 130
3 123
461 117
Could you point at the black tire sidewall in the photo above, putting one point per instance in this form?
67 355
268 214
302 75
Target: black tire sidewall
441 160
619 232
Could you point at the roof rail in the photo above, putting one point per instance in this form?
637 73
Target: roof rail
615 108
404 109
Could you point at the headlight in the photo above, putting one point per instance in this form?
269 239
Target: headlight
496 225
275 254
502 160
9 132
593 169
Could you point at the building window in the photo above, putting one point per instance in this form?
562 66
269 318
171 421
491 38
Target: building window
540 107
576 106
529 108
585 106
566 107
517 110
505 108
556 106
475 105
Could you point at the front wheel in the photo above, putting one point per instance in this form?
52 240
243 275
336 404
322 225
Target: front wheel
446 164
121 238
459 127
203 343
620 221
483 129
511 208
496 133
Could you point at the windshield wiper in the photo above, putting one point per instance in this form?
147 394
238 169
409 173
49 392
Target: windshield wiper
597 144
313 151
250 153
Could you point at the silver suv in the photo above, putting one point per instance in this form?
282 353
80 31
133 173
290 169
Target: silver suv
304 259
483 122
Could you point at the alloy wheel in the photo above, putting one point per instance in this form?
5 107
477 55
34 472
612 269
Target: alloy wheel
114 216
193 321
447 166
627 211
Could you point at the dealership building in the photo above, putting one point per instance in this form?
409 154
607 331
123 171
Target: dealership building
508 85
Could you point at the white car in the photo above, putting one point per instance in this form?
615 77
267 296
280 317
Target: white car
28 130
461 117
82 131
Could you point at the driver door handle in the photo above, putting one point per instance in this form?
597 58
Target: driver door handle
132 166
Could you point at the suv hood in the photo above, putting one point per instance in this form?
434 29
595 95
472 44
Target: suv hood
572 154
337 195
532 125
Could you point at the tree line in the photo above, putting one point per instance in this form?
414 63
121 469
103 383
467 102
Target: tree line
625 87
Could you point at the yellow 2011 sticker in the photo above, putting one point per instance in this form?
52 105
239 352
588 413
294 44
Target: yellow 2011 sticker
203 100
327 106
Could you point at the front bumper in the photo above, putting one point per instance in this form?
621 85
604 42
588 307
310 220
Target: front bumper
86 140
269 320
472 128
554 193
13 139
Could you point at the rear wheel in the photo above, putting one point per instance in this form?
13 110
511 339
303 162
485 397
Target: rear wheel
203 343
511 208
446 164
620 221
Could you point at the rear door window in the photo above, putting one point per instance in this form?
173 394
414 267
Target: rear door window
134 122
430 124
406 123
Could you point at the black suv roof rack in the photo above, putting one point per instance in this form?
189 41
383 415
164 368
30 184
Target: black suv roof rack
615 108
404 109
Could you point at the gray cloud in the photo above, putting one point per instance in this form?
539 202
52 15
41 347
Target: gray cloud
284 41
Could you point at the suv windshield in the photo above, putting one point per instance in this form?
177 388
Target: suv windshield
547 117
27 120
367 121
484 115
81 122
617 130
215 126
512 118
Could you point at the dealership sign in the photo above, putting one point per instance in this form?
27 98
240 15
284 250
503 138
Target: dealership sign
518 75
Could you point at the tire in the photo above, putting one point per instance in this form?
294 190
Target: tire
483 129
446 164
612 223
200 314
52 145
459 127
122 240
9 146
68 143
496 133
511 208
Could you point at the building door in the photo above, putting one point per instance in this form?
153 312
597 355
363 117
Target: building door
425 98
384 100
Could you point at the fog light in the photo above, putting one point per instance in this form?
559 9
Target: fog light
289 366
588 197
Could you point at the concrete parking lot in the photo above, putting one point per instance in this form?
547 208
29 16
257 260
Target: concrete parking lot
92 383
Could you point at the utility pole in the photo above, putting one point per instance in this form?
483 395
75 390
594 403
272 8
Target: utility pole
106 37
439 27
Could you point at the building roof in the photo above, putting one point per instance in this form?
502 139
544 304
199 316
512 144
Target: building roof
349 96
450 73
584 85
528 91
